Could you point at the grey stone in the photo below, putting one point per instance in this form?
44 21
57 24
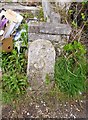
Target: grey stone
34 27
52 38
57 41
57 29
18 7
46 9
49 12
50 28
63 5
55 17
41 61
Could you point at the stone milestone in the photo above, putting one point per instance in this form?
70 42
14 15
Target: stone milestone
41 61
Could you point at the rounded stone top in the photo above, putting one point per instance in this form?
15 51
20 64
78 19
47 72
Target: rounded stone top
41 55
41 61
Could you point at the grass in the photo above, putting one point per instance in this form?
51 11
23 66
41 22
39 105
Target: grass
70 70
14 66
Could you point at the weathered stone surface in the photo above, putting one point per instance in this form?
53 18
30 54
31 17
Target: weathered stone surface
49 12
57 29
52 38
41 60
55 17
57 41
46 9
18 7
50 28
65 4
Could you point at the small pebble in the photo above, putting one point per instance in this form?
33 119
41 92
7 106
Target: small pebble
31 103
71 105
14 111
81 101
71 115
46 116
41 101
65 105
66 115
60 104
66 109
77 109
37 106
24 111
40 111
28 114
80 93
47 110
44 104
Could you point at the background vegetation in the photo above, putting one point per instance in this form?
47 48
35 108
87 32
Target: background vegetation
14 65
70 70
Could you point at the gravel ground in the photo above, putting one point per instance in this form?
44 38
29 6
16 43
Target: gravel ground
45 106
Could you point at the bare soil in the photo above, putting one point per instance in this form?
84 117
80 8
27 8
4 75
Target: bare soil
45 105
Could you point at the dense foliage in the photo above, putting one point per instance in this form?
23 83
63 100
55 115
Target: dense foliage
14 65
70 69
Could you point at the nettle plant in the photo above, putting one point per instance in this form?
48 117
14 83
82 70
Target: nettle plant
70 70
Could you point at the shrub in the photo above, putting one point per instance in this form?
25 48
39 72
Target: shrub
14 65
70 69
14 79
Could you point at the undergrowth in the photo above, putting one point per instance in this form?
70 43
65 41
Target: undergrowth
14 66
70 70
